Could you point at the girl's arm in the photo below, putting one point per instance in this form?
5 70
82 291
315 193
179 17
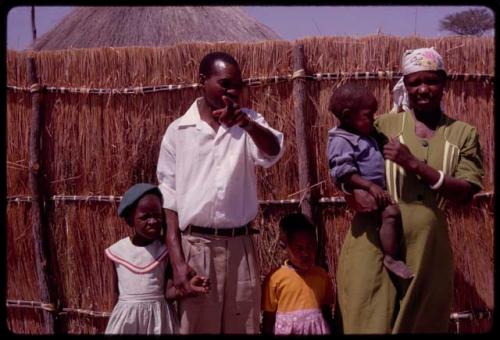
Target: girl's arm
326 310
268 320
114 280
171 293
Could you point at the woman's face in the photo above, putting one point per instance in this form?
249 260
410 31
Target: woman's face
425 90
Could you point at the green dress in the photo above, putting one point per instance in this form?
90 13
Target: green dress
370 300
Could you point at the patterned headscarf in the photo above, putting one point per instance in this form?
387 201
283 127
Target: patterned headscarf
421 59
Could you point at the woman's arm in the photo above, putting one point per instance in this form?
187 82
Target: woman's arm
454 189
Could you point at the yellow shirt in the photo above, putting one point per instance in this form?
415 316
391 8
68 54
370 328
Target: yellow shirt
286 290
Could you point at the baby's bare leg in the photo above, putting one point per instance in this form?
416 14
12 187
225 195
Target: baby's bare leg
390 236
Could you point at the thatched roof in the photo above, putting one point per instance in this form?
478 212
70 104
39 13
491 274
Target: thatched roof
87 27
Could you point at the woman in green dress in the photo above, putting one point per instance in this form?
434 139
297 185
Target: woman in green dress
430 159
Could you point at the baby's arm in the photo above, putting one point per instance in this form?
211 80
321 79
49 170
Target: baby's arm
355 181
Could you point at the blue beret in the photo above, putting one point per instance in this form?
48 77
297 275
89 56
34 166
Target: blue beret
134 193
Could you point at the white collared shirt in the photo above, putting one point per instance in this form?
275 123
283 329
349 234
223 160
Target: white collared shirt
208 177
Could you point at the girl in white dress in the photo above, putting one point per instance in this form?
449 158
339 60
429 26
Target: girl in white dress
141 289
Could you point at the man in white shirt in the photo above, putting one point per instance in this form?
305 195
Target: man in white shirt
206 173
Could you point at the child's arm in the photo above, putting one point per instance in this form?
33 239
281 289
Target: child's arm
326 310
268 320
355 181
114 280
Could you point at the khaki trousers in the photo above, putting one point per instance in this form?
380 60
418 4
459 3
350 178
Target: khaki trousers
233 304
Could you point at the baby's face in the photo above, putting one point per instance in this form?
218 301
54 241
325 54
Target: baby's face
361 121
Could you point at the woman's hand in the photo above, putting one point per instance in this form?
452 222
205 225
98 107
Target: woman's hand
400 154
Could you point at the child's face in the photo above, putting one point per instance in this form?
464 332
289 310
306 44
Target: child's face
301 249
147 219
361 121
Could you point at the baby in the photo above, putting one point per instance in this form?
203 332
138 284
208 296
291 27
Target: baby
355 160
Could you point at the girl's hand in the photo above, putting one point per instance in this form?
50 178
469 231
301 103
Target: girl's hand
199 285
400 154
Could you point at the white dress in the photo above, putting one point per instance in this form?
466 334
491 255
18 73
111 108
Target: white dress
141 307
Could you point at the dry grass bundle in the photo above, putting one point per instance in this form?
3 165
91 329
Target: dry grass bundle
18 121
379 52
25 321
137 66
471 233
20 254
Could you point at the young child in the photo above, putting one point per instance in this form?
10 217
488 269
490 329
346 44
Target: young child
355 160
297 297
140 266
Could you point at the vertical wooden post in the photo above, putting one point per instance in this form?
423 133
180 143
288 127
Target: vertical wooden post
299 100
38 202
306 178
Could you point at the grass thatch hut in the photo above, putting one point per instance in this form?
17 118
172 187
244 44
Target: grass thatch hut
106 109
89 27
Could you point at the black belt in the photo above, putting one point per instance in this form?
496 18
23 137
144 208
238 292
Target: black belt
238 231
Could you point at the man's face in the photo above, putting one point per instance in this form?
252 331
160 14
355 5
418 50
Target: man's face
224 80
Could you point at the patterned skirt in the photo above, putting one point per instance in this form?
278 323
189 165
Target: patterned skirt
305 322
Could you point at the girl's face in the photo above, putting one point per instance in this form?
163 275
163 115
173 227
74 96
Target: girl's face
361 121
425 90
301 248
147 218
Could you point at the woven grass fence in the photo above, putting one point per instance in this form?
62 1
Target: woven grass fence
104 114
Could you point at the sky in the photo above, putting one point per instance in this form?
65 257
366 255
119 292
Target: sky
290 22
